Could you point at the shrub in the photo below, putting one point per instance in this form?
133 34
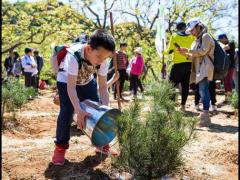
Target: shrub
14 95
234 100
150 143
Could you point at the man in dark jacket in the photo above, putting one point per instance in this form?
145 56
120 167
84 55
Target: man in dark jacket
40 63
8 63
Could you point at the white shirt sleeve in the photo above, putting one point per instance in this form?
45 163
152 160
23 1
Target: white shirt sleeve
71 65
103 70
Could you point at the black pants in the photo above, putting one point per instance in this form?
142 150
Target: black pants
212 91
134 82
180 73
122 78
139 85
38 78
30 81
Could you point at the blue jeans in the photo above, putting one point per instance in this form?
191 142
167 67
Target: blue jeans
204 93
65 116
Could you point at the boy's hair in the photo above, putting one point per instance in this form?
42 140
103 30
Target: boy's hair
102 38
123 44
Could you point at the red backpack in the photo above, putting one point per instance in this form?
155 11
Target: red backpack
59 53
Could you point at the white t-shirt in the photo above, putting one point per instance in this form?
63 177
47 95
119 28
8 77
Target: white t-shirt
85 74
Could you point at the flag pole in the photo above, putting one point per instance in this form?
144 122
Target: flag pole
163 63
115 65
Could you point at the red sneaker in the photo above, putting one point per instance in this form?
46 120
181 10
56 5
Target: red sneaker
58 156
107 150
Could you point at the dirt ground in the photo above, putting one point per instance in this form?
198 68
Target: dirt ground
27 146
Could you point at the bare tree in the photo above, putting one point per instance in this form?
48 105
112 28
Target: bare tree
100 18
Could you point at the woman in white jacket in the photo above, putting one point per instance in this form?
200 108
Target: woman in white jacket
201 53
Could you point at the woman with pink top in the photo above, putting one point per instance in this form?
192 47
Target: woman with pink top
136 69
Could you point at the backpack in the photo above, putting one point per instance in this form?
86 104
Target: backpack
59 53
220 62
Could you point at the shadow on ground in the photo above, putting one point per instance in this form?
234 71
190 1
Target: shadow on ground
217 128
75 132
78 170
223 129
190 113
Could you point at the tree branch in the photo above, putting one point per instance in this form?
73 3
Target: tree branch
96 15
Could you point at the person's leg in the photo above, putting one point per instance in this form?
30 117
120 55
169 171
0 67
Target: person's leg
185 82
140 84
122 79
135 84
174 78
28 79
38 77
235 79
212 91
34 82
205 96
88 91
227 82
63 125
204 93
197 96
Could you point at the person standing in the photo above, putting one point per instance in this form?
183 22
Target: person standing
8 63
181 69
229 48
202 49
17 65
236 72
137 65
30 68
40 62
122 63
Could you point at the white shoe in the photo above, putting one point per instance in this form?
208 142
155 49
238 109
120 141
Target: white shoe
213 108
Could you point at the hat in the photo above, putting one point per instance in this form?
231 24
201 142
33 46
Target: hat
123 44
191 24
220 36
138 50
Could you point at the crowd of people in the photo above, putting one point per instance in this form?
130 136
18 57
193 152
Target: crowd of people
84 73
29 66
194 67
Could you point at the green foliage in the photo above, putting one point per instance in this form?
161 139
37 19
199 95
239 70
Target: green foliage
15 95
234 100
38 25
152 134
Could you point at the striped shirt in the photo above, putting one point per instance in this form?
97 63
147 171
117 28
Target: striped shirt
122 60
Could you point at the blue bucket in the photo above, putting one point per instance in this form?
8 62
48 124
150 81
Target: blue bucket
101 127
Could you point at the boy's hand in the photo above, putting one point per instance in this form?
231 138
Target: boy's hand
81 119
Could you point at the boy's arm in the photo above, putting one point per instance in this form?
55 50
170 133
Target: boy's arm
72 93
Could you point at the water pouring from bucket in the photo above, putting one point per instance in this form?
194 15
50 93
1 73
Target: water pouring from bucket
101 127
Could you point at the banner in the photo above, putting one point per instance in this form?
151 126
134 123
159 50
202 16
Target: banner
160 40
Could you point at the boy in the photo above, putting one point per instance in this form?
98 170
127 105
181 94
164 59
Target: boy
75 85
